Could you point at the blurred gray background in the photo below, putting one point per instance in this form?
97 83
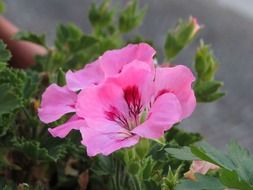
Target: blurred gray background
228 27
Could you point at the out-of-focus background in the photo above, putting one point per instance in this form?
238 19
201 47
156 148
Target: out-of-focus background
228 27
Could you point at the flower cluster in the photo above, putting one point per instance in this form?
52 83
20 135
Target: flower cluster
120 98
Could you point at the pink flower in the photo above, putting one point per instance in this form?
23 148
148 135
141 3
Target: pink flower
120 98
58 101
199 166
137 102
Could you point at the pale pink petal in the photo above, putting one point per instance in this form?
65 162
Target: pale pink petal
177 80
63 130
165 112
199 166
105 143
113 61
56 101
91 74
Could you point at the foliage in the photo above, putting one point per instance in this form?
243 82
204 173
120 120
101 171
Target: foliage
131 17
235 166
180 37
206 88
27 36
31 159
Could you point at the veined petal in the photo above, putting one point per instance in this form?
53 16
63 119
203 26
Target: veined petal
105 143
165 112
91 74
94 102
177 80
56 101
63 130
112 62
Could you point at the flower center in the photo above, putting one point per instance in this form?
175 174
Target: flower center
133 100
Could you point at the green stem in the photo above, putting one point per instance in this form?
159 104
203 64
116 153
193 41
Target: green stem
31 121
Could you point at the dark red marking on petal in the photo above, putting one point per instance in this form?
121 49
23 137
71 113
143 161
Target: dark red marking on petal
132 97
163 91
115 115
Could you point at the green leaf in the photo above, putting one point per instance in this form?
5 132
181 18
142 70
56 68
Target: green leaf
104 166
15 78
87 41
206 88
131 17
6 122
205 63
151 185
66 35
208 153
148 166
100 16
60 150
61 77
237 164
202 183
242 160
5 54
181 137
2 65
30 84
207 91
181 153
231 179
180 37
32 149
133 168
31 37
9 100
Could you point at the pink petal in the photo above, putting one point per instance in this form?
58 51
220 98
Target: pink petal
165 112
56 101
199 166
105 143
113 61
94 101
177 80
137 74
63 130
91 74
